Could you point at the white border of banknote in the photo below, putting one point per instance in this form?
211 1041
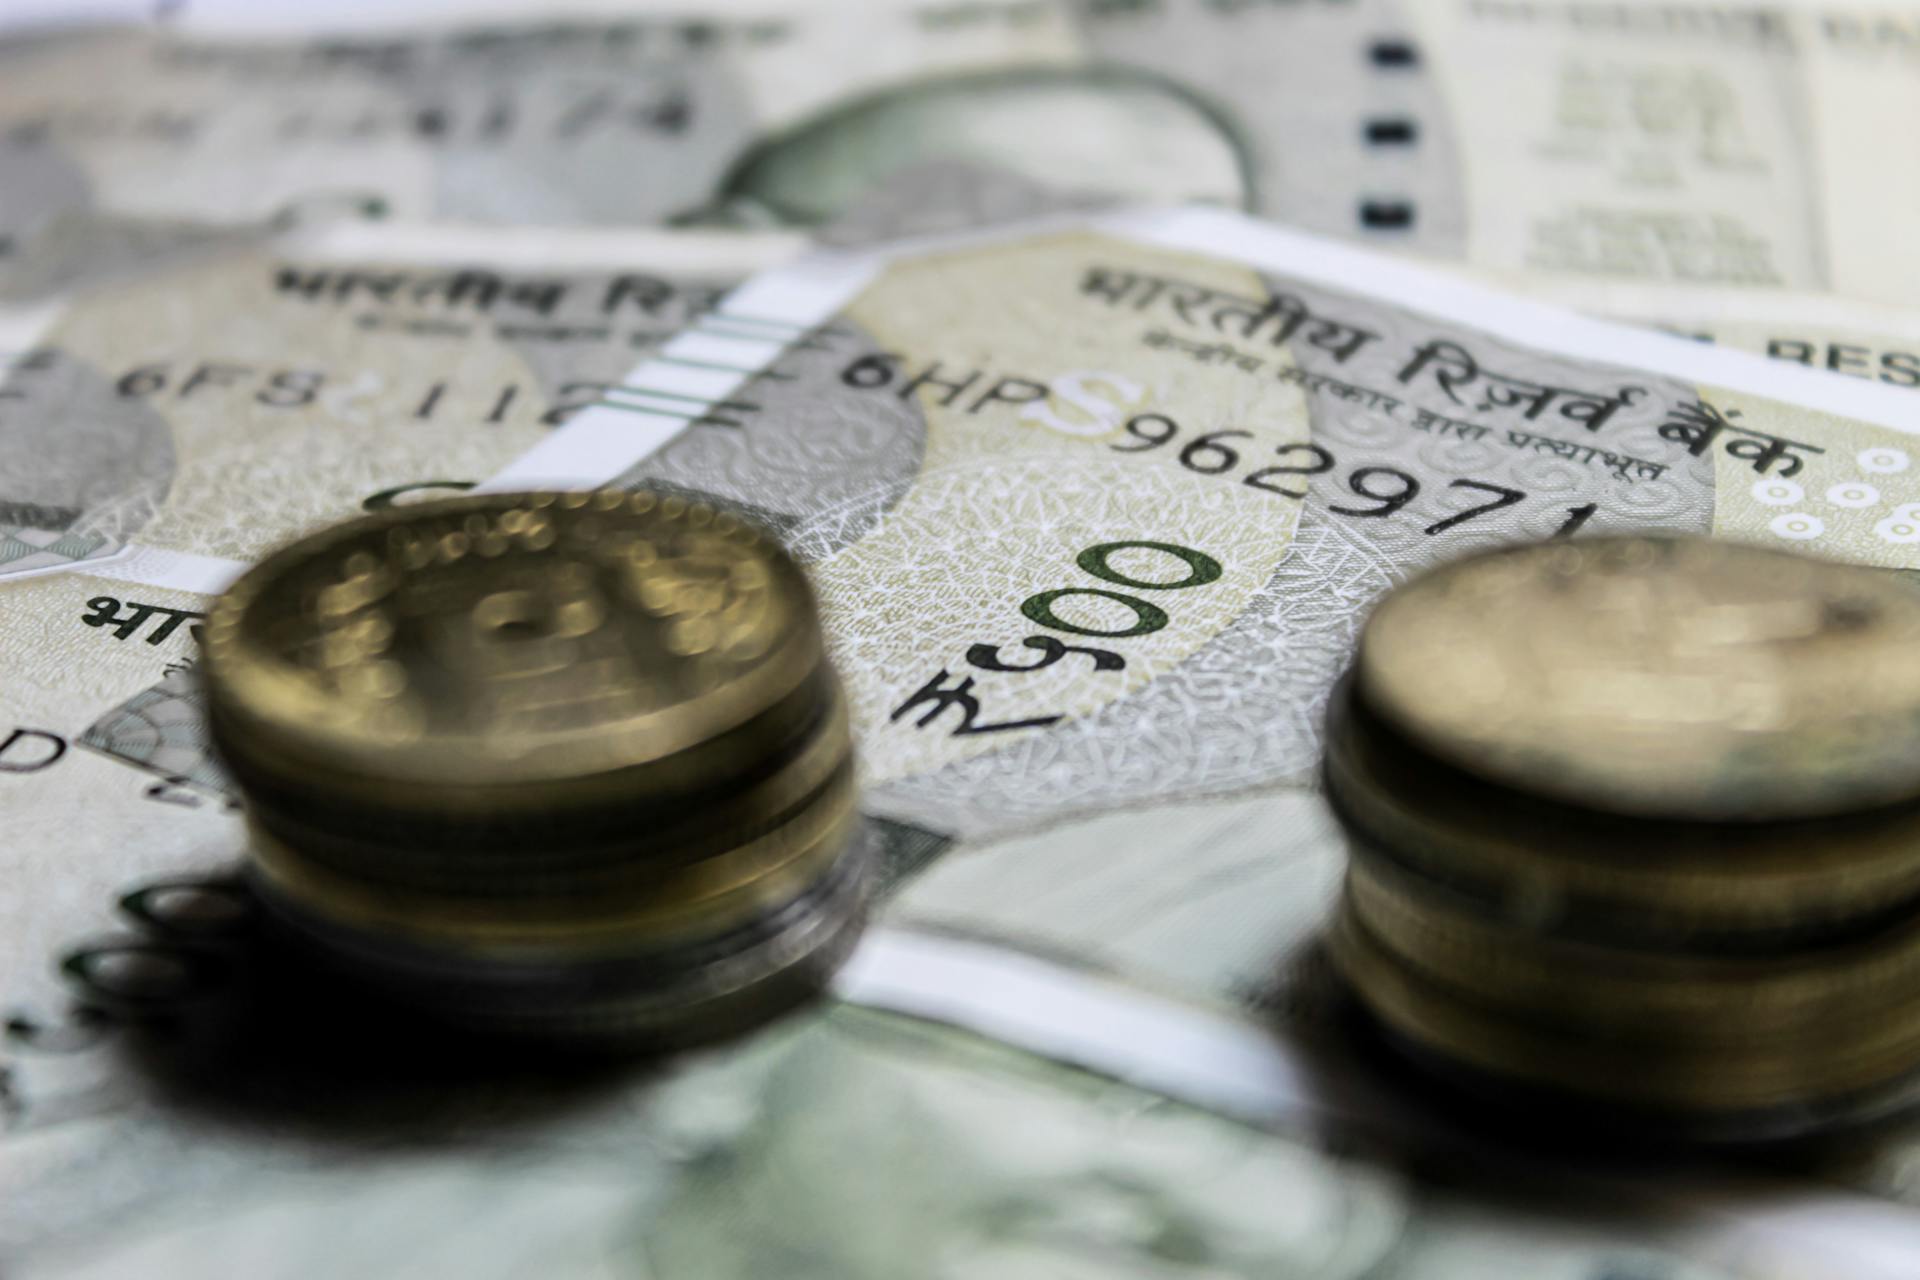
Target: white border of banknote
1174 1046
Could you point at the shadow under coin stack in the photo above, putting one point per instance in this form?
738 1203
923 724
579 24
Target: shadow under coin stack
1635 826
567 764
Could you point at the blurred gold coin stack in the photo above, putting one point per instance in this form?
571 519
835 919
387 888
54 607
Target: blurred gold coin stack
1634 824
557 763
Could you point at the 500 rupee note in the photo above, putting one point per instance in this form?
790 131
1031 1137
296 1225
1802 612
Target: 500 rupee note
1029 452
1129 488
1095 512
163 433
214 408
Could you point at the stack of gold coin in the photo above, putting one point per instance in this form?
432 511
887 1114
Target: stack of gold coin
1634 824
557 763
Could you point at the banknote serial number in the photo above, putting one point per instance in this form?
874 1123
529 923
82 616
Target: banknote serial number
1373 492
1383 490
289 388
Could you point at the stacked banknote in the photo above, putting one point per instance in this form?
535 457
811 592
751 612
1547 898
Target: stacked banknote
559 763
1634 822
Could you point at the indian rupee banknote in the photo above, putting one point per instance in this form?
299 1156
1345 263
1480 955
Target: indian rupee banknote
213 407
841 1144
631 115
163 432
1682 142
1094 510
1186 473
1095 513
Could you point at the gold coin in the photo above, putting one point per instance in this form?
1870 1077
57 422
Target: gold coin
1701 1078
635 991
563 852
556 811
1608 875
496 646
645 910
1664 677
1795 997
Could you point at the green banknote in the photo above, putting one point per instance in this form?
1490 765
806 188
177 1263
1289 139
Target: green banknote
1683 142
842 1145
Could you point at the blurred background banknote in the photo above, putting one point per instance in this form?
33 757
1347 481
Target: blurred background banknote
1094 509
1675 142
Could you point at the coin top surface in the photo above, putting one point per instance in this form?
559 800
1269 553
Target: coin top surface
1662 677
511 637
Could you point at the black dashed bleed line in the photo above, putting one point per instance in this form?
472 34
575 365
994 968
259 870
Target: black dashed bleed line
1390 55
